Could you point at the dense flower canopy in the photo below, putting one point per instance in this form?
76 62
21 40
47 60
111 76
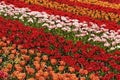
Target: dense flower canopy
59 40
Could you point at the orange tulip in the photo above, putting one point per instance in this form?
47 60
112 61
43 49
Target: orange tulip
41 78
53 61
4 38
0 51
31 71
45 57
17 53
9 66
66 78
45 74
92 76
19 69
97 78
37 75
5 69
4 48
82 78
31 79
49 68
73 77
4 44
62 63
61 68
81 71
14 46
8 42
27 58
21 76
55 77
20 47
38 54
1 43
37 58
51 73
13 51
71 69
11 48
43 65
23 51
22 63
15 73
37 66
85 72
35 62
40 72
12 56
16 65
31 51
0 60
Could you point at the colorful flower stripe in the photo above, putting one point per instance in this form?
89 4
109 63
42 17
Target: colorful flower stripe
83 4
109 24
91 58
18 63
92 2
60 24
100 3
112 1
82 11
56 12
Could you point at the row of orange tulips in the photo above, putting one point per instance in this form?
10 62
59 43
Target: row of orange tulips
100 3
95 2
96 14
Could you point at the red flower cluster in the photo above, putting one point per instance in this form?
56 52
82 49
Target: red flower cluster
109 24
78 55
3 75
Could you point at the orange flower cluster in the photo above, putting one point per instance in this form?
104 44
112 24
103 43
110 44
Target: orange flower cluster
78 10
94 77
100 3
31 1
29 64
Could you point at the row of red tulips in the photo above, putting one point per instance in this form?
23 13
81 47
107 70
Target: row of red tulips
78 55
109 25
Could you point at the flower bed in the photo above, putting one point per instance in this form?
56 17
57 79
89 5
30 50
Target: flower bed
44 44
18 63
69 28
81 9
79 56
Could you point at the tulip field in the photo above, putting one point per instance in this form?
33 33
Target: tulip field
59 39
